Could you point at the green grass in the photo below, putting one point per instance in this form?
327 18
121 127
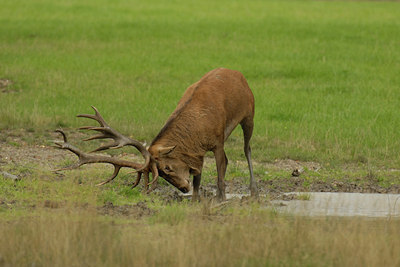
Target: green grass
325 74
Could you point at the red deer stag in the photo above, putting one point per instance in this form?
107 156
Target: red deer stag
205 116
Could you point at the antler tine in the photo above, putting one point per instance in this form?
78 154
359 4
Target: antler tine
113 145
70 167
97 117
153 183
139 176
66 145
115 173
100 136
63 134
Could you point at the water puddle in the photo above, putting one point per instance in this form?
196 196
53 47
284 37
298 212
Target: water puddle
335 204
342 204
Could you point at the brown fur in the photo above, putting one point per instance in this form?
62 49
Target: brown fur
206 115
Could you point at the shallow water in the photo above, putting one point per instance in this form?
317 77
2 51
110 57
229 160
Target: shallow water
336 204
343 204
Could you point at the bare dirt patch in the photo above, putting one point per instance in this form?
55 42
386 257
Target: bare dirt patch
6 86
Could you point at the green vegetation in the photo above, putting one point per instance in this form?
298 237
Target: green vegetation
325 74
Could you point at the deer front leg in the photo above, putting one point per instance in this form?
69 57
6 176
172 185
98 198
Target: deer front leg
222 162
196 186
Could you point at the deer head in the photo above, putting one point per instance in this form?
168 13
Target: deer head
159 160
171 167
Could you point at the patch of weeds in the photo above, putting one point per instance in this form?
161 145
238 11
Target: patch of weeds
306 184
21 170
237 169
272 212
129 193
371 174
61 124
260 171
107 196
275 174
206 208
3 138
79 180
163 182
13 143
26 170
119 195
24 191
304 196
67 162
384 181
170 214
208 176
2 209
242 208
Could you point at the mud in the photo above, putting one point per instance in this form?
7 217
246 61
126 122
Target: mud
137 210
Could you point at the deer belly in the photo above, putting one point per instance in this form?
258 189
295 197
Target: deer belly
228 129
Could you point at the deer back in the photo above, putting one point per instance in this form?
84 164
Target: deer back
208 112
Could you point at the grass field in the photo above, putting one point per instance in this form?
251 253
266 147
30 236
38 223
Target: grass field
325 74
326 79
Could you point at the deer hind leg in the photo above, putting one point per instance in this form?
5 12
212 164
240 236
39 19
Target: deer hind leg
247 127
222 162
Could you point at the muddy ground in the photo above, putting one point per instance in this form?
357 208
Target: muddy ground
17 150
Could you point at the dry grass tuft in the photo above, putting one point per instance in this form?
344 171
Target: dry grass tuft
241 236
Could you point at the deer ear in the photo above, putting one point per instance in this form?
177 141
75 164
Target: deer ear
163 151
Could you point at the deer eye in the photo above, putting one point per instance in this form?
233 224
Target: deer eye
168 169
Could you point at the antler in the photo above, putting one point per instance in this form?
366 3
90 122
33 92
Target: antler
153 183
119 141
108 132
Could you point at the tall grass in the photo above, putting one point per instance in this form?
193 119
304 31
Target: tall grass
258 238
324 73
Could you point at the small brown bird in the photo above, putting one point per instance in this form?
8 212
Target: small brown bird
296 172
